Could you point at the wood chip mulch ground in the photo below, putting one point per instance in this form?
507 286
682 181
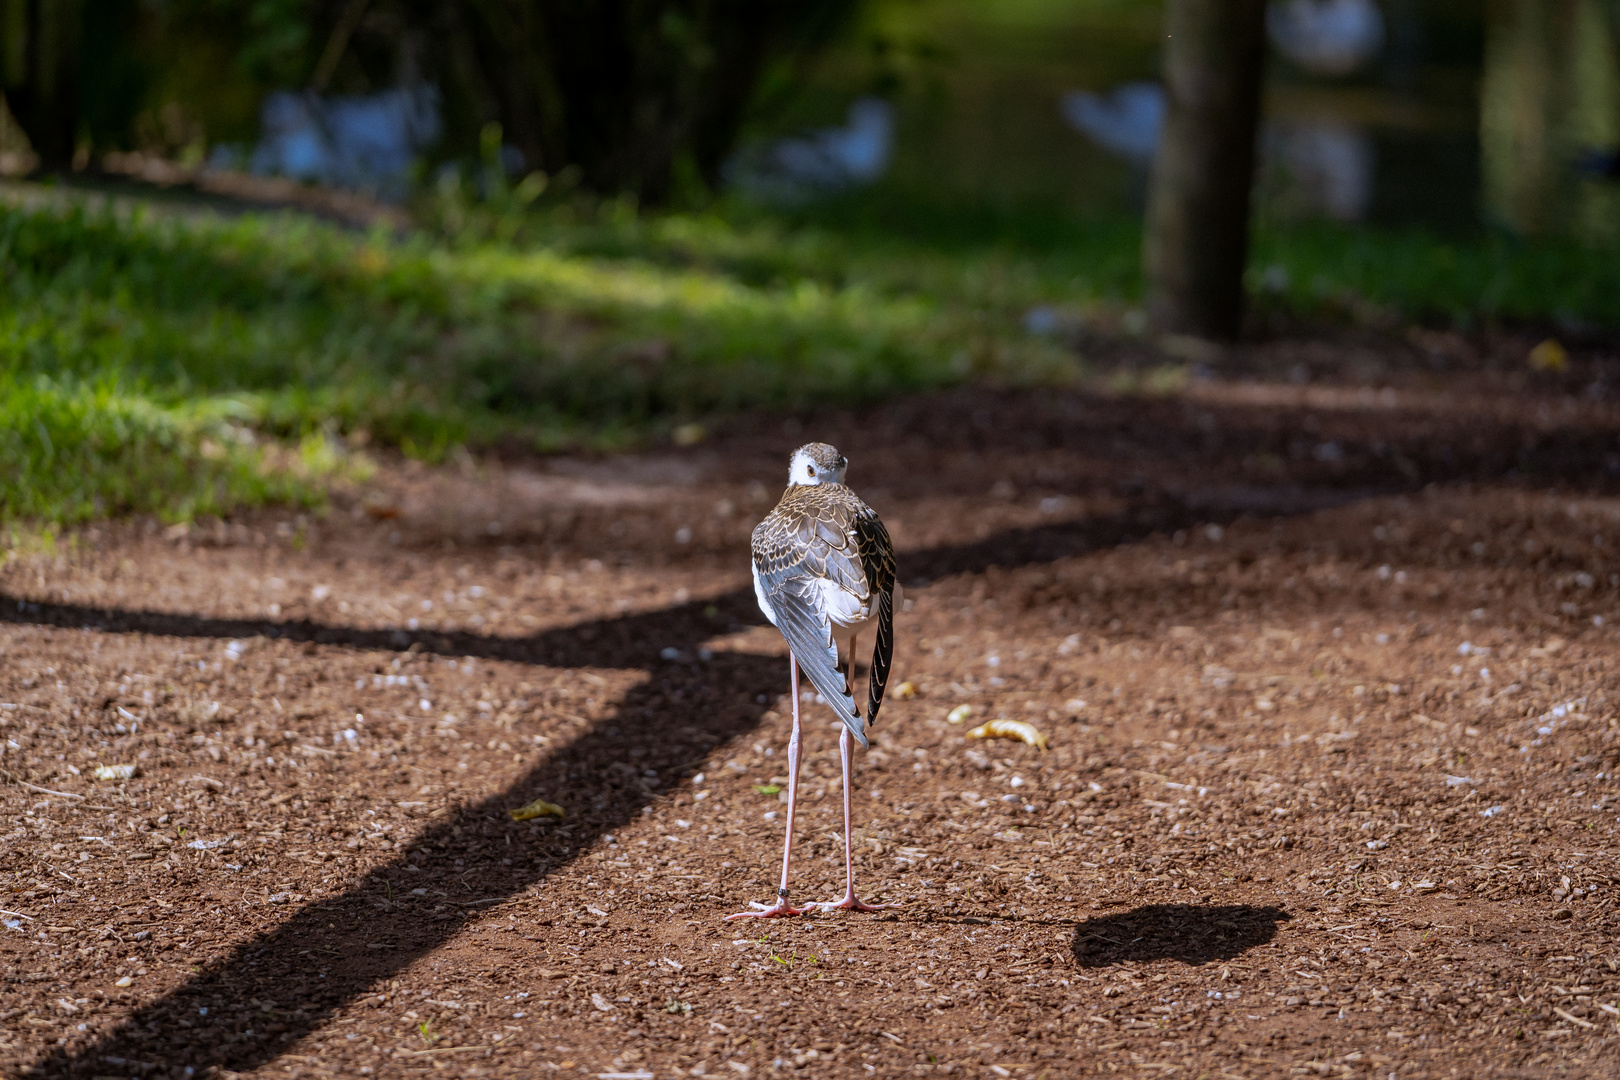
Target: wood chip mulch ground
1327 668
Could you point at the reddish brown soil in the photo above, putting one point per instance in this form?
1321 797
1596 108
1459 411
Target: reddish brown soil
1330 788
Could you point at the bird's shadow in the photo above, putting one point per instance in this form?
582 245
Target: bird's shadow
1190 933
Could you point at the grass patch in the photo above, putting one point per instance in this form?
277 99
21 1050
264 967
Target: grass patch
181 364
1462 281
81 449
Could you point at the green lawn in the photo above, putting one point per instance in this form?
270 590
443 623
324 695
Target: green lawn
184 364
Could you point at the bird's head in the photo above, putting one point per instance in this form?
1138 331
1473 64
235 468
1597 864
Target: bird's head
816 463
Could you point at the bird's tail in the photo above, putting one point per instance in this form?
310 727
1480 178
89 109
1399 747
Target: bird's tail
855 723
839 699
842 703
812 646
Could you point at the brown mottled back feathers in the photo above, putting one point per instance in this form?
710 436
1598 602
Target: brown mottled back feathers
818 535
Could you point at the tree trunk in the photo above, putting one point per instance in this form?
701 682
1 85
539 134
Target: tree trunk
39 57
1197 238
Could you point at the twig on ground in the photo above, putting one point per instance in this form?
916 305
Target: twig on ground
35 787
1574 1019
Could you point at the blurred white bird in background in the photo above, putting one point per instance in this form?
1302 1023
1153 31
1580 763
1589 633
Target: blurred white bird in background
1326 37
821 162
1325 168
1126 121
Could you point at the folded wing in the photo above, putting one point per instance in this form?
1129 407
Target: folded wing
796 556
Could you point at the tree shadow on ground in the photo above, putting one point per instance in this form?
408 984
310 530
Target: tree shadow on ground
639 640
1189 933
283 983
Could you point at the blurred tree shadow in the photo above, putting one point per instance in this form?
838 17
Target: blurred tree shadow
243 1010
1185 932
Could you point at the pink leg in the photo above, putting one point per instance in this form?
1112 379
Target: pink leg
781 907
845 742
850 900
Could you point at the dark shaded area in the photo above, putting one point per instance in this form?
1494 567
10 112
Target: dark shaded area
636 641
627 93
633 641
1184 932
1419 177
41 75
1036 544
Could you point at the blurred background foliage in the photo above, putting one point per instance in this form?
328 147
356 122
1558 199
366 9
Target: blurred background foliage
627 92
1468 112
578 260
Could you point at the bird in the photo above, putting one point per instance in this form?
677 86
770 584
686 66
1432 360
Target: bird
824 573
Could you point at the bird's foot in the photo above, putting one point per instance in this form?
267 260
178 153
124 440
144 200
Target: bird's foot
772 911
852 902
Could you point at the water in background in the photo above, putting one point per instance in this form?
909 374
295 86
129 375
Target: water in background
1445 113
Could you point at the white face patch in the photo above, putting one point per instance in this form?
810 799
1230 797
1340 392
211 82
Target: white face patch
804 470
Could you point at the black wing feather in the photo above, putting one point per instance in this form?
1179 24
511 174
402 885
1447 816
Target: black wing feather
877 558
